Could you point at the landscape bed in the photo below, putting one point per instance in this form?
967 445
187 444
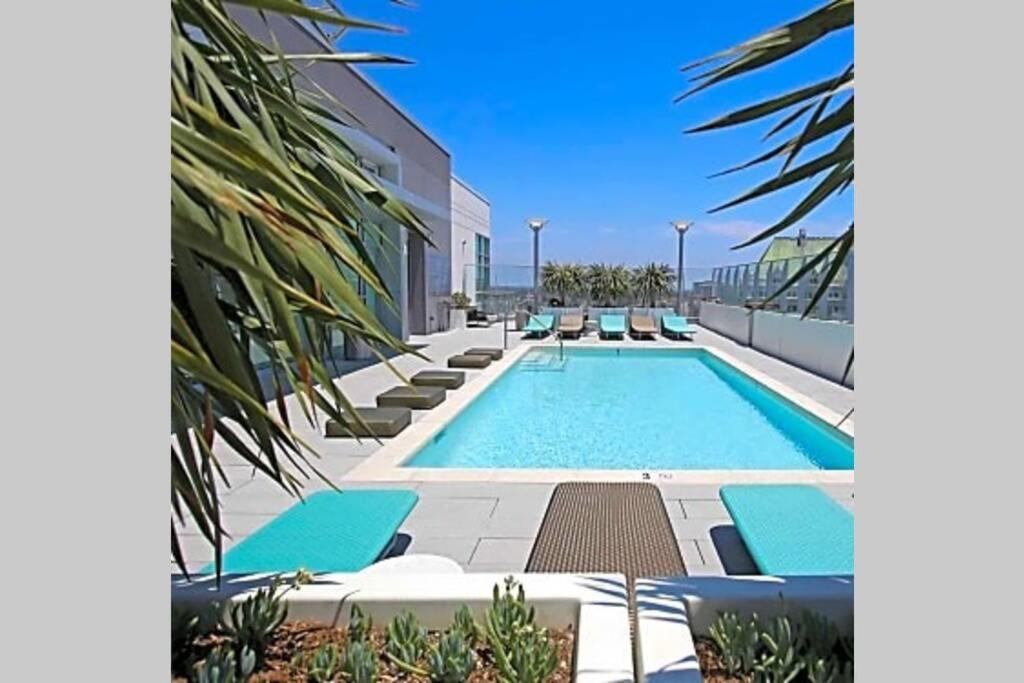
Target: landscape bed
751 628
361 628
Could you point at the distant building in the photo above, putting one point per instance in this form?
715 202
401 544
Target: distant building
471 240
749 284
783 256
795 247
703 290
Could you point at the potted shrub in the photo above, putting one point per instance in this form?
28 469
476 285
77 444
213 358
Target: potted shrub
457 312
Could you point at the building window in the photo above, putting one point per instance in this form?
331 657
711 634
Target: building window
483 263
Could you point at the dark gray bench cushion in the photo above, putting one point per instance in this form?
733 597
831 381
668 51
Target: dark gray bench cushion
494 354
467 361
449 379
417 398
380 421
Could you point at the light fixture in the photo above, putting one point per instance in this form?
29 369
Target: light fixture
536 224
681 227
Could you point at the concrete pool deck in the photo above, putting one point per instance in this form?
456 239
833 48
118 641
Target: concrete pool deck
490 525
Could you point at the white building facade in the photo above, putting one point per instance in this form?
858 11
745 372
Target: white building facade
471 240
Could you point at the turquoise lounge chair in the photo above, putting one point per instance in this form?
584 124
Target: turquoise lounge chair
332 531
792 530
677 326
612 325
539 325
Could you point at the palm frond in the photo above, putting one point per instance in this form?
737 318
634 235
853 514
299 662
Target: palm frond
270 214
810 101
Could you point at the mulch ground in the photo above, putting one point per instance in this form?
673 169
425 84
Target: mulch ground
304 637
711 668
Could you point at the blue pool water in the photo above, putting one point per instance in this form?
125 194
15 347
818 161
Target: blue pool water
633 409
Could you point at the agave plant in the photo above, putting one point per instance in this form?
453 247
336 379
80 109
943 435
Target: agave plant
652 281
270 218
826 110
609 285
563 279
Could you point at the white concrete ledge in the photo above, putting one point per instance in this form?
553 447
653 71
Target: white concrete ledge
595 605
672 611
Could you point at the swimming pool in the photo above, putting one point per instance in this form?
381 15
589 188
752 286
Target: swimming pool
633 409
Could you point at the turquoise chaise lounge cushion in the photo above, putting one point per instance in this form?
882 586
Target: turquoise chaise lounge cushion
540 323
332 531
677 324
792 530
613 323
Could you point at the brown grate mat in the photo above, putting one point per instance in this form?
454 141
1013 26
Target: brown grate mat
613 527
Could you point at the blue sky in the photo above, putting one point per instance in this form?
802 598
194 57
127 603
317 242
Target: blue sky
564 110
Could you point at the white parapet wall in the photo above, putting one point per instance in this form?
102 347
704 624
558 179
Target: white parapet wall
731 321
821 346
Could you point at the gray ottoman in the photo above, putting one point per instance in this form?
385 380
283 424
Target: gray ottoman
467 361
417 398
448 379
379 422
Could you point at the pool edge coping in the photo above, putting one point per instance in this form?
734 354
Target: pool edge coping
385 464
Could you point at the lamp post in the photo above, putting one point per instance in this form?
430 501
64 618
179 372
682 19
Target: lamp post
681 227
536 224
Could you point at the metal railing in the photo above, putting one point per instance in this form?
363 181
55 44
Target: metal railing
496 289
752 283
495 285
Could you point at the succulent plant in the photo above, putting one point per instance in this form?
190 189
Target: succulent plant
846 645
821 670
359 625
220 666
738 641
508 615
359 663
530 659
783 649
819 634
324 664
779 662
465 624
302 577
453 660
184 631
252 622
406 640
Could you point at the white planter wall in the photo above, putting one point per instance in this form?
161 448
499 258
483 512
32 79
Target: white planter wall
456 318
821 346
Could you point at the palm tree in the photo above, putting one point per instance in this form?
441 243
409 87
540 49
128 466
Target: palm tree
821 123
270 221
563 279
608 285
576 275
652 281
